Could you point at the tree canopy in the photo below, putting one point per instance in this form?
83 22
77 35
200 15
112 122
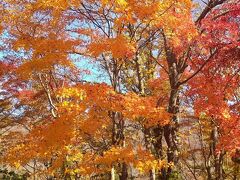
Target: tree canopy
165 107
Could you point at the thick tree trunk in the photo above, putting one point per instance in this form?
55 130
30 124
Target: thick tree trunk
171 130
170 133
157 142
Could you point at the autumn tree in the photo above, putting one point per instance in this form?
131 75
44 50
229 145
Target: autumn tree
163 61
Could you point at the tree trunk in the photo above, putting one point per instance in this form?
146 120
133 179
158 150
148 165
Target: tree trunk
157 142
218 158
112 173
118 139
171 130
157 133
124 173
153 174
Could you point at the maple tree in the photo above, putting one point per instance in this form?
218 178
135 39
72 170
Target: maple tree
164 64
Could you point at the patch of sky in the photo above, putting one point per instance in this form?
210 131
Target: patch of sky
7 51
199 6
92 71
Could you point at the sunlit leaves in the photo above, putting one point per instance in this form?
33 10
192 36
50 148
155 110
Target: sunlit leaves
118 47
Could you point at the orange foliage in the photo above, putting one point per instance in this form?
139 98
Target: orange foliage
78 123
118 47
